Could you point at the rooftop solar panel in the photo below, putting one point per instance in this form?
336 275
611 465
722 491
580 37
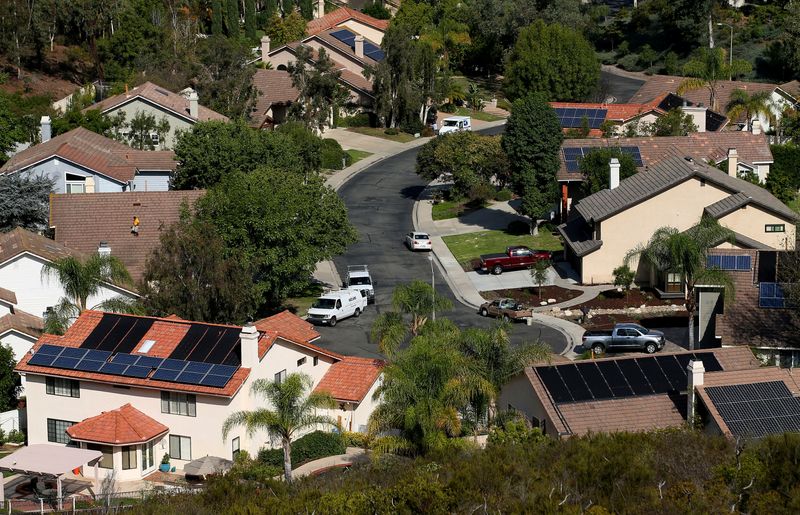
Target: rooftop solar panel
74 352
573 379
614 378
134 335
757 409
100 332
198 367
117 333
227 346
594 380
163 374
215 380
113 369
136 371
173 364
223 370
90 365
50 350
554 384
149 361
97 355
189 341
189 377
125 359
41 360
65 362
676 375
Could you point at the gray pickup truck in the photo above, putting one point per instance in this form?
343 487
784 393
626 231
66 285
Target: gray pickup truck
624 337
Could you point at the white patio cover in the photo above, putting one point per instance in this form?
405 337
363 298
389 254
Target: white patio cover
53 460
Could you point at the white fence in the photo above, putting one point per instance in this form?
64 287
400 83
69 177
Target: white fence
80 503
9 421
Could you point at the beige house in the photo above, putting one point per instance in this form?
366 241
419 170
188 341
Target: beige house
347 18
677 192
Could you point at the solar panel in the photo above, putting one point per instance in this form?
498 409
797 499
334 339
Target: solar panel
149 361
652 372
113 369
90 365
373 52
50 350
134 335
554 384
634 153
125 359
636 379
207 344
575 383
98 335
41 360
74 352
594 380
97 355
757 409
226 346
198 367
676 375
136 371
173 364
65 362
215 380
614 378
710 362
223 370
163 374
189 377
189 341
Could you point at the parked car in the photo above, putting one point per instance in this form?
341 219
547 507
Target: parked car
337 305
455 124
514 258
630 337
418 241
358 278
507 309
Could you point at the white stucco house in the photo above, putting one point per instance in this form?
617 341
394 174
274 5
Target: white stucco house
137 388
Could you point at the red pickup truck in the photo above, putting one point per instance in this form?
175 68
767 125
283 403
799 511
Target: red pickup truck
514 258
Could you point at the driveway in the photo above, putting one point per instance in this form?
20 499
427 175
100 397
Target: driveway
484 281
620 87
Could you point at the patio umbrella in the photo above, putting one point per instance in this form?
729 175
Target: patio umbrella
207 465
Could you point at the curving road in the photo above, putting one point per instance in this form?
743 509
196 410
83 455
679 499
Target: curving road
380 200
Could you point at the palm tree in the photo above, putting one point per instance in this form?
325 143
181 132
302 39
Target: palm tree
673 251
749 106
81 280
294 410
708 68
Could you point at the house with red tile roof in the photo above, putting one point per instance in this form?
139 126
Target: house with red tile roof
356 21
82 161
574 115
136 387
181 110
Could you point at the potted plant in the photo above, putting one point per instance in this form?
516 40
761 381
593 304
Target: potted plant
164 463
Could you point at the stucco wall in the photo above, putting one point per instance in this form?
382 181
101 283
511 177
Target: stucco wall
336 56
175 123
20 344
151 181
750 221
372 34
57 169
519 394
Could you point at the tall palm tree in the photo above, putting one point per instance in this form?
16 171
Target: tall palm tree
708 68
673 251
81 280
749 106
294 409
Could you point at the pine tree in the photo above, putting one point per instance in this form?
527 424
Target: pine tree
216 17
250 19
232 18
306 9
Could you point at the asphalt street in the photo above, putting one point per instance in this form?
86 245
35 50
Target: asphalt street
380 200
619 87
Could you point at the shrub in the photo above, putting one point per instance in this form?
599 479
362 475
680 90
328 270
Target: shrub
504 104
357 120
448 108
332 155
391 132
427 132
271 457
352 439
15 436
481 192
2 437
413 126
318 444
503 195
629 62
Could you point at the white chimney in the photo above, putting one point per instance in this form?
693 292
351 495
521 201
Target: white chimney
320 9
359 46
88 185
249 342
733 162
193 107
104 250
44 130
695 378
613 179
698 114
264 48
756 127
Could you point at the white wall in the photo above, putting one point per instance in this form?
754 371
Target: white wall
355 417
9 421
20 344
175 123
57 169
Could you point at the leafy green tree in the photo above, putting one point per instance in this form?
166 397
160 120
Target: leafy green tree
750 106
250 19
294 409
10 387
707 69
224 81
474 98
494 26
553 60
672 251
142 127
671 63
283 234
377 10
320 93
595 169
232 18
11 130
647 55
292 27
623 278
93 120
783 180
567 13
306 9
674 123
532 142
309 146
24 201
540 272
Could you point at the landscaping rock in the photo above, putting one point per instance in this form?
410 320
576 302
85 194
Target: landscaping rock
551 301
556 309
543 303
567 313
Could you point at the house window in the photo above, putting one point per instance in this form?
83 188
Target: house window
280 376
129 457
775 228
301 361
180 447
154 138
316 360
147 455
62 387
57 430
107 460
75 183
178 404
235 447
674 283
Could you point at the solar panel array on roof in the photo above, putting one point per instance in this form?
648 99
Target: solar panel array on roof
348 38
573 155
757 409
117 333
572 117
614 379
208 343
373 51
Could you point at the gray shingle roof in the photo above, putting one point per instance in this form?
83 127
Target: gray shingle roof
578 235
727 205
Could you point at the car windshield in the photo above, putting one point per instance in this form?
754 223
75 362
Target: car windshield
421 237
357 281
450 123
324 304
640 329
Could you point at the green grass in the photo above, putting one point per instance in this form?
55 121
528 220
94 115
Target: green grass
794 204
378 132
357 155
447 209
470 246
478 115
300 304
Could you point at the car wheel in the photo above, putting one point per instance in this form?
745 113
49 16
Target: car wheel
357 313
598 348
650 348
332 321
484 313
497 270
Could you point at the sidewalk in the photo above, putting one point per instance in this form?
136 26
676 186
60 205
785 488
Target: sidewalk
352 455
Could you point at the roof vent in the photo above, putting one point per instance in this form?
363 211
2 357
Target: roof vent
689 158
146 346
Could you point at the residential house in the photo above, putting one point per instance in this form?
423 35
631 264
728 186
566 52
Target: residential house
103 222
752 151
82 161
676 192
20 330
275 94
137 388
575 115
181 110
722 390
371 28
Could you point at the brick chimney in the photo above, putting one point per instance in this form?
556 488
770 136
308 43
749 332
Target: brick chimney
613 179
733 162
359 46
249 342
320 11
88 185
756 127
193 105
44 129
265 41
696 370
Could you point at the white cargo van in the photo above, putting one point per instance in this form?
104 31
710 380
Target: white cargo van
455 124
358 278
336 305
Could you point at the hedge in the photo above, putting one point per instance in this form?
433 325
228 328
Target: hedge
332 155
312 446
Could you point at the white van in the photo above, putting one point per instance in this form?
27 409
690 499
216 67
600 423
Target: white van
336 305
358 278
455 124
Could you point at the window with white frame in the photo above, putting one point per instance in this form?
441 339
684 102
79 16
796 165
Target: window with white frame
235 447
280 376
148 453
129 457
62 387
180 447
176 403
57 430
74 183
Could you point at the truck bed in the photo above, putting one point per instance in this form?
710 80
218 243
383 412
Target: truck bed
494 256
607 332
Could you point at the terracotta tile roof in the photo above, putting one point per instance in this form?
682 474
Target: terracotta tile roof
8 296
616 112
290 326
22 322
95 152
274 87
701 146
341 15
152 93
350 379
17 241
82 221
125 425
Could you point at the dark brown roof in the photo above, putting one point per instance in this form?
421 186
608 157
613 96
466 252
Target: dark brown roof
274 87
341 15
17 241
94 152
701 146
727 205
154 94
8 296
22 322
348 77
578 235
83 221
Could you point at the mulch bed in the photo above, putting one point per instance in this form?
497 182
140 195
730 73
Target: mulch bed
530 296
607 321
613 299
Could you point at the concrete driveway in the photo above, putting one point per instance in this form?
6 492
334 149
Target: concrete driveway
484 281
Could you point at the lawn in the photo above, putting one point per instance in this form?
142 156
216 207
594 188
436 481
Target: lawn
378 132
470 246
299 305
794 204
477 115
357 155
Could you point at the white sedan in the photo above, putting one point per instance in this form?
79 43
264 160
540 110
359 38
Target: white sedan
418 241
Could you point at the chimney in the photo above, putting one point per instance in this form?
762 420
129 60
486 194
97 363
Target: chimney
695 379
264 48
613 180
249 342
733 162
88 185
320 8
756 127
359 46
104 250
193 108
44 131
698 114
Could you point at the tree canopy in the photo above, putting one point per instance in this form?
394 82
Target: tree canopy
320 93
595 169
9 380
24 201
